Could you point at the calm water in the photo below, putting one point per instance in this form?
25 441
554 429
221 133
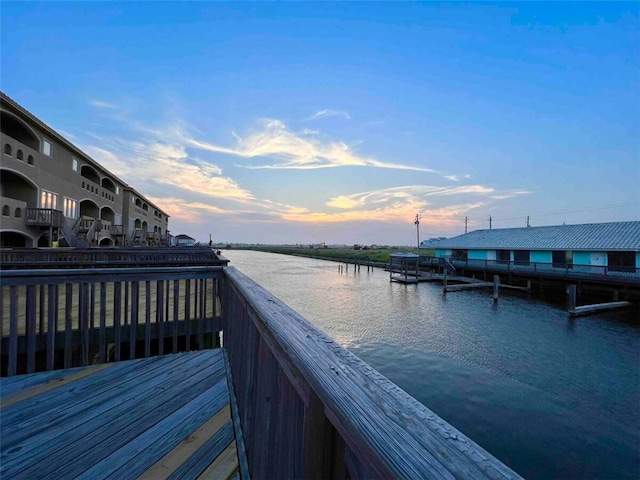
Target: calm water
549 396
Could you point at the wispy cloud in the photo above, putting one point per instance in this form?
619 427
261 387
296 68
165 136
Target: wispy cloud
329 113
167 163
167 159
289 150
410 193
102 104
398 204
510 194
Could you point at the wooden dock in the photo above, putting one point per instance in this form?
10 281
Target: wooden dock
467 286
159 417
597 307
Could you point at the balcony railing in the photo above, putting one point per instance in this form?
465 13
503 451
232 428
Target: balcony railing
43 217
625 274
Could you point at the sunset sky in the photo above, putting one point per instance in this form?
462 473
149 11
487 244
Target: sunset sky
338 123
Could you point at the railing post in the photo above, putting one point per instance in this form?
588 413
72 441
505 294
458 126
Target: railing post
572 298
315 439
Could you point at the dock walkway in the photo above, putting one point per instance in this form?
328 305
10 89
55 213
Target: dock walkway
158 417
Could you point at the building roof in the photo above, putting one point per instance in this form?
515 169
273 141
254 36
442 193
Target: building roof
182 236
590 236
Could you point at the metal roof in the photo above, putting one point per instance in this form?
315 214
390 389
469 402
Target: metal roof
590 236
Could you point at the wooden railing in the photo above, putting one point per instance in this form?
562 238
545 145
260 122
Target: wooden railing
43 217
36 258
311 409
617 274
62 318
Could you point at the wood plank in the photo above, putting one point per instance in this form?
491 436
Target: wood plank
185 449
112 424
52 384
206 455
51 410
31 328
134 456
16 384
239 437
224 467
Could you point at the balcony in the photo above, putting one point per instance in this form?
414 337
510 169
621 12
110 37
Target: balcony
44 217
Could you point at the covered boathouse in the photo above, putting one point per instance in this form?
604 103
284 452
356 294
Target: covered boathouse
593 255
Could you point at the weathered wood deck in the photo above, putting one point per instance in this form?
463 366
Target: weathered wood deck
308 407
160 417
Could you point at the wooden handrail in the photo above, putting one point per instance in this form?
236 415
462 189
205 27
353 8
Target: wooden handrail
56 314
340 415
108 257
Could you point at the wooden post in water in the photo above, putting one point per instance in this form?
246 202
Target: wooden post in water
615 296
572 298
529 286
496 288
444 281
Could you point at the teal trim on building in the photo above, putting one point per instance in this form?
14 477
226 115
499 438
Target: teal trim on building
539 256
442 253
638 260
581 258
477 255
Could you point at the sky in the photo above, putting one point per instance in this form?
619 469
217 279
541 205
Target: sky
340 122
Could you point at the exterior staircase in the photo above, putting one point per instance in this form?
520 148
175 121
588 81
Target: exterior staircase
446 264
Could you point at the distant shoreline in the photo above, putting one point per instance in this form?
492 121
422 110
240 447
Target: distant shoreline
375 257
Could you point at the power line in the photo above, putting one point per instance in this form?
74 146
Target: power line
562 212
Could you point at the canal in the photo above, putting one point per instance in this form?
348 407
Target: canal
549 396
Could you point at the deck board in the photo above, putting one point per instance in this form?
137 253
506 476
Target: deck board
119 420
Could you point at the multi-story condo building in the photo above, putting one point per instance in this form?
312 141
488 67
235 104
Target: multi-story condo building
53 194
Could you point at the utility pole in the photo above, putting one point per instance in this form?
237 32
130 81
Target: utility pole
417 224
466 219
489 222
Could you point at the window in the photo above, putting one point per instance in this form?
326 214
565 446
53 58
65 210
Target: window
48 200
521 257
559 259
30 160
20 155
622 261
7 149
6 211
46 148
70 208
117 190
18 213
460 254
74 164
503 256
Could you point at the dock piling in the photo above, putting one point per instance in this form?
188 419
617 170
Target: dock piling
572 291
496 288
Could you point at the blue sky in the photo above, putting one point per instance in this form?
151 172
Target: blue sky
338 123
